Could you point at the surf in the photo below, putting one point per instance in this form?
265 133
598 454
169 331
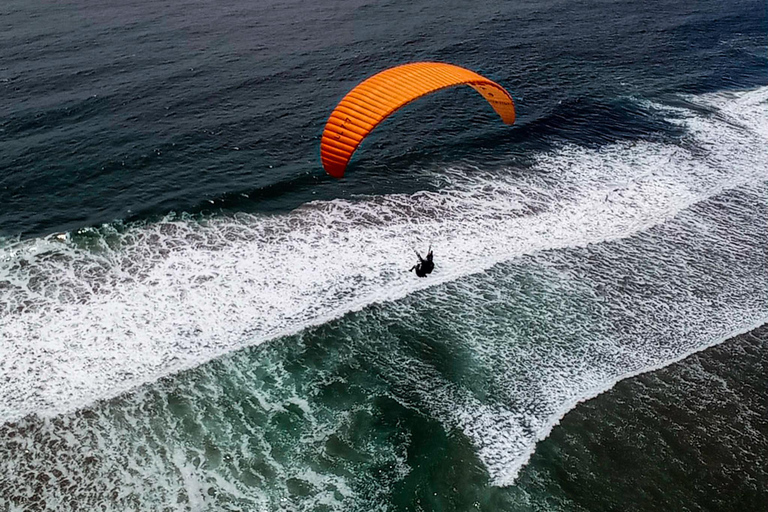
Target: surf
111 308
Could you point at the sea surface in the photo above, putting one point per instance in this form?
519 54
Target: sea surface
195 317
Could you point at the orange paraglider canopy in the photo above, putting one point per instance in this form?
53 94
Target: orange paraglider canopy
368 104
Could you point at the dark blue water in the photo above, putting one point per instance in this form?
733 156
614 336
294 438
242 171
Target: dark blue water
193 316
115 112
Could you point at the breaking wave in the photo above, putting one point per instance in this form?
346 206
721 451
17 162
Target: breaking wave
635 243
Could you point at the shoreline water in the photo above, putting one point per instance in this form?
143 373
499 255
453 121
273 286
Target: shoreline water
587 462
698 421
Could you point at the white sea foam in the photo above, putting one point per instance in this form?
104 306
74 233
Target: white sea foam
553 329
82 323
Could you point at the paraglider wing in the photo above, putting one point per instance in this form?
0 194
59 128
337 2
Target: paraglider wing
368 104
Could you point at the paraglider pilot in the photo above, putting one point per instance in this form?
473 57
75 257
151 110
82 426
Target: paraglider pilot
424 266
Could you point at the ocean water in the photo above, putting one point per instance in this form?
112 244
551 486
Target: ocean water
193 316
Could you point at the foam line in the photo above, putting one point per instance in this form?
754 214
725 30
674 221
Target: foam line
112 308
510 470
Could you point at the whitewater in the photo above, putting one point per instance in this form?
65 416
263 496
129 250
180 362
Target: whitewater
89 315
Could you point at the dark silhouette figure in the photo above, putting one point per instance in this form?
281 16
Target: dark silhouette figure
424 266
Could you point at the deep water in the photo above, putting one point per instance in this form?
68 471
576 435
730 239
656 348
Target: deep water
193 316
